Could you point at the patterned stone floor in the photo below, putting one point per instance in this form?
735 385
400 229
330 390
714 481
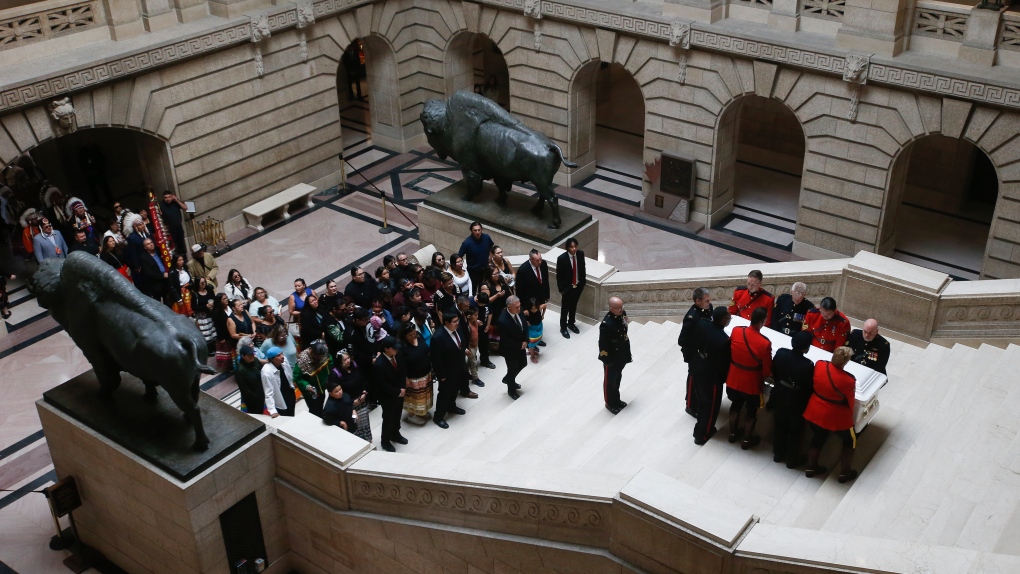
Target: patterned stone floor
325 242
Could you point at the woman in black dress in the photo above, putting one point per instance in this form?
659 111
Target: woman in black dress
224 342
346 373
418 398
311 321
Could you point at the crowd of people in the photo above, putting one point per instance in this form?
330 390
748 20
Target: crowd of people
805 395
409 337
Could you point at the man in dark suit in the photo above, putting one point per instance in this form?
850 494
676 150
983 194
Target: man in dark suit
513 342
533 282
710 366
449 362
570 281
154 272
390 381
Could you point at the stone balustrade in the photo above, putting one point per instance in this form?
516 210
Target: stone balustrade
905 298
401 512
46 20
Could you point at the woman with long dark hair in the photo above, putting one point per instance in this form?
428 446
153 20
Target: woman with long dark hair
345 372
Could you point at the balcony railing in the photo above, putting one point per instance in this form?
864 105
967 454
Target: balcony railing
941 20
50 20
824 9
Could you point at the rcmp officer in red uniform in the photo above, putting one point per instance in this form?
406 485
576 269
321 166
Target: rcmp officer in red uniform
788 314
827 325
747 299
750 365
830 410
701 309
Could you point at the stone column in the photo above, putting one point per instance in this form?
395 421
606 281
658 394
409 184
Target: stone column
124 18
785 15
157 14
698 10
979 40
191 10
234 8
875 26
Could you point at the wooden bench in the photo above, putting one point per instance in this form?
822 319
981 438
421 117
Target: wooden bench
279 202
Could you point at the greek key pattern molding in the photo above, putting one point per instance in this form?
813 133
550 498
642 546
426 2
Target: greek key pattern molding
832 63
502 506
37 91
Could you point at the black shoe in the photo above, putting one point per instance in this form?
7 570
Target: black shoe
387 446
691 412
792 464
441 423
574 328
541 343
844 478
621 405
478 383
614 410
399 439
750 443
458 411
777 457
735 436
489 365
565 333
512 393
470 395
813 471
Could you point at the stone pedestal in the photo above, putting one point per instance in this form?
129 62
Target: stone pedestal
444 220
136 510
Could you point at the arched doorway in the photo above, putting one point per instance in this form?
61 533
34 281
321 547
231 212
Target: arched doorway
474 62
103 165
369 95
759 162
944 184
607 130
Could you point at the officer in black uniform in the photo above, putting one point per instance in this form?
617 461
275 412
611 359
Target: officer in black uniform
709 367
614 352
701 309
793 374
870 348
788 314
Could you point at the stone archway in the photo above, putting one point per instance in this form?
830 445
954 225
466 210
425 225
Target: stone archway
945 184
471 61
368 68
607 126
759 151
105 164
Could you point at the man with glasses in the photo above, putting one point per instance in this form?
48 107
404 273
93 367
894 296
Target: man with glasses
49 244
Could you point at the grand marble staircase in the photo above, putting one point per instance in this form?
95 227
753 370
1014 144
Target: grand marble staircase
940 464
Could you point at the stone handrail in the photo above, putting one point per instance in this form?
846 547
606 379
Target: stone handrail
942 20
1009 31
905 298
824 9
37 22
347 504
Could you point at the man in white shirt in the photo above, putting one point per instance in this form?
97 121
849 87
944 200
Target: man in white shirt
278 384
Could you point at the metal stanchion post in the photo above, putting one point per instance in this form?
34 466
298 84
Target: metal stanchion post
385 226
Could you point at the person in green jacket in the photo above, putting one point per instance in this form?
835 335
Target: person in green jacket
311 374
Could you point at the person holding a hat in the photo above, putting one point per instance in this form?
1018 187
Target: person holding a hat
278 384
202 264
793 374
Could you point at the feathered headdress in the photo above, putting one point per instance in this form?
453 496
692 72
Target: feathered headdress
48 191
24 216
73 204
128 227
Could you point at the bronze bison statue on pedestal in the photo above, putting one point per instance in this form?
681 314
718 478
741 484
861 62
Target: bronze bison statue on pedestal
489 143
119 329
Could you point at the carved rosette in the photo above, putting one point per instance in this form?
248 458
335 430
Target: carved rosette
259 31
680 36
482 504
855 71
305 18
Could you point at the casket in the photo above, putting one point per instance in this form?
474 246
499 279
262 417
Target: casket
869 381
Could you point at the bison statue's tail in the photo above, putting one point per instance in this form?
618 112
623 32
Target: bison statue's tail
563 158
199 363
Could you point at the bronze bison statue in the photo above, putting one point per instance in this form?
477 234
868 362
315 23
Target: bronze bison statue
119 329
489 143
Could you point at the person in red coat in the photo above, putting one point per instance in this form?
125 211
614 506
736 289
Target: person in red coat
750 365
827 325
831 410
747 299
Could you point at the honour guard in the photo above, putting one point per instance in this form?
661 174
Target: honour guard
827 325
869 348
788 314
701 309
750 365
710 365
614 352
747 299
